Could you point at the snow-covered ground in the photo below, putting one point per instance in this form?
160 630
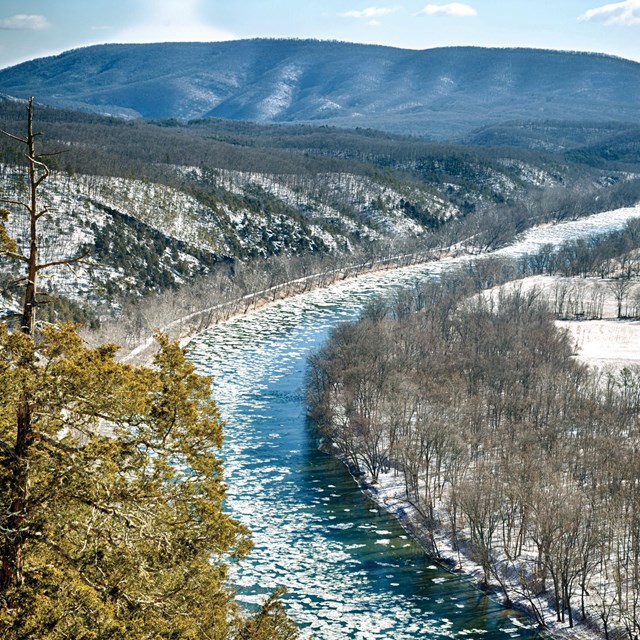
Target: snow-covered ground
610 344
606 342
389 493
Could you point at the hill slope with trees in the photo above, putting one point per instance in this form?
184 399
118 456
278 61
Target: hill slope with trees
442 93
156 204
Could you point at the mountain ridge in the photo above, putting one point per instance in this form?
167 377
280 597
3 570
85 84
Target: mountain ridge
443 93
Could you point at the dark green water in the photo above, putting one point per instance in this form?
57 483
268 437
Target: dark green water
350 568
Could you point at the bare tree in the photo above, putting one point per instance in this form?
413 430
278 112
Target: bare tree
619 288
38 172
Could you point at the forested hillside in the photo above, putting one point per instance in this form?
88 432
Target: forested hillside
443 93
155 204
500 437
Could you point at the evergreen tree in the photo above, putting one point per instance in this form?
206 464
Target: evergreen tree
111 492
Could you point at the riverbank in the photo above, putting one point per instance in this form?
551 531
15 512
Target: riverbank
469 567
188 326
389 494
351 570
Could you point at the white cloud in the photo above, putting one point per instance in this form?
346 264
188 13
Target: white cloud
620 13
173 21
24 22
456 9
371 13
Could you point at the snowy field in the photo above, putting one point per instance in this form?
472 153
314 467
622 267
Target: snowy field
607 343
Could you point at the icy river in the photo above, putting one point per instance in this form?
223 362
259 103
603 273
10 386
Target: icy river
350 569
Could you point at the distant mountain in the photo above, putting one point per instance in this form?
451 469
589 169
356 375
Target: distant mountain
445 93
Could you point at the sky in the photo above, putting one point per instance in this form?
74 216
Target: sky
35 28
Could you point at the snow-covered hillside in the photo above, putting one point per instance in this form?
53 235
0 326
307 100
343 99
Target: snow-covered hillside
150 207
138 235
443 92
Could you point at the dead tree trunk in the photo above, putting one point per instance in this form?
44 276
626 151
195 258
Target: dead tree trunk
15 522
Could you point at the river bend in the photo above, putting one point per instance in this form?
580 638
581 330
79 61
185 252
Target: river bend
351 570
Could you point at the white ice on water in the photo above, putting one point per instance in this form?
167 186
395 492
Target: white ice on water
330 593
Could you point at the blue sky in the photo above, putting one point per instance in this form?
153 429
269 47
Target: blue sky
34 28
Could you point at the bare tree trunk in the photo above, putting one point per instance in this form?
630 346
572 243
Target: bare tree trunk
29 307
11 574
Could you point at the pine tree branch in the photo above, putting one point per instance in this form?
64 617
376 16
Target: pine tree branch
44 167
73 562
43 437
42 212
13 283
108 510
7 449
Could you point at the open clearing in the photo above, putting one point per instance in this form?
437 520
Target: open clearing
607 343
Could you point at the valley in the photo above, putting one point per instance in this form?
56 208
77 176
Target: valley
258 361
158 206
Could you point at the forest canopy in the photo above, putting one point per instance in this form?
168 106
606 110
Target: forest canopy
526 458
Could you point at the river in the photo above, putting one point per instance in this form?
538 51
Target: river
352 572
